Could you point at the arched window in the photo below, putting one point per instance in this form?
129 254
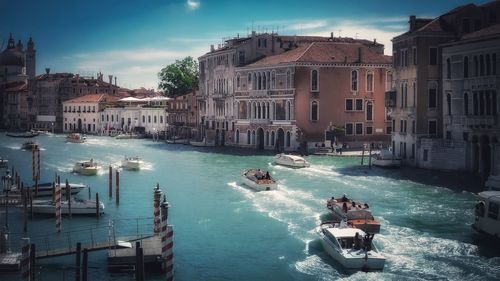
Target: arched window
149 118
314 111
238 81
494 64
288 79
369 111
237 136
272 138
264 81
432 95
259 86
314 80
448 103
161 120
466 104
249 82
288 110
369 81
287 141
466 67
154 119
488 65
267 138
253 137
448 68
354 80
481 65
476 67
248 137
273 79
494 103
475 103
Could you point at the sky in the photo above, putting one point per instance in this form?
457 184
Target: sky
133 40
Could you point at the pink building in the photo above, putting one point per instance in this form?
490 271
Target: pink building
296 98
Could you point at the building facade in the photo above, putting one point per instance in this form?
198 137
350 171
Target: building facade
83 114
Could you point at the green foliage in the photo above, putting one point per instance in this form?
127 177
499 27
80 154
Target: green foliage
179 78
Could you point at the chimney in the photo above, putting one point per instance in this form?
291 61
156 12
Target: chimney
212 48
47 70
374 40
115 80
110 79
413 22
331 35
77 78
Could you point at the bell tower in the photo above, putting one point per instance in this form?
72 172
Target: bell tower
31 59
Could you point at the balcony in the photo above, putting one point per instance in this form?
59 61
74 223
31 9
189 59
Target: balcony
259 93
480 121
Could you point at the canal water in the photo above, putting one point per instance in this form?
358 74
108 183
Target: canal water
225 231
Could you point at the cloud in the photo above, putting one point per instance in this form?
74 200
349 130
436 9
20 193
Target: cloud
193 4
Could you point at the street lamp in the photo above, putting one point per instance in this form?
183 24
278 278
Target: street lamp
6 183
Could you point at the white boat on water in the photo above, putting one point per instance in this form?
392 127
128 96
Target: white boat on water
46 189
202 143
290 161
76 138
87 168
487 213
351 247
259 180
386 159
78 207
4 163
356 213
132 163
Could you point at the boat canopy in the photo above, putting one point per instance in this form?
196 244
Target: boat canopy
345 232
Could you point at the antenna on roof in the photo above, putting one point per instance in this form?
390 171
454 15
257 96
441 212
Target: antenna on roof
340 30
356 36
252 25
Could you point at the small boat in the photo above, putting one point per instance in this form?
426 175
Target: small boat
4 163
46 189
259 180
487 212
202 143
124 136
22 135
290 161
29 145
42 132
132 163
351 247
386 159
87 168
355 212
78 207
76 138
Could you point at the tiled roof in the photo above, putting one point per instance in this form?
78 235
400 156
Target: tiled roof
327 52
94 98
488 31
16 86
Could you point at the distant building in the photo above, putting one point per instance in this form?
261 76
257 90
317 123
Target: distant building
419 90
83 114
298 97
183 116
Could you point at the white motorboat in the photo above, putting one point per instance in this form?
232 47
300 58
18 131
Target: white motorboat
202 143
290 161
46 189
29 145
4 163
76 138
355 212
386 159
487 213
78 207
131 163
87 168
259 180
351 247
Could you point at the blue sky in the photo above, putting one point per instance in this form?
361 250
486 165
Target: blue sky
135 39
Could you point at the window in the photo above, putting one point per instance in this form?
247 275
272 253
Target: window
369 111
238 81
414 56
448 103
241 57
248 137
433 56
493 210
493 103
412 151
388 81
476 67
432 97
349 104
448 68
394 125
432 127
426 155
154 119
494 64
405 95
359 128
288 79
161 120
237 136
448 135
143 119
481 65
488 65
413 127
475 103
359 104
314 111
466 104
466 67
354 80
348 128
272 137
369 130
388 130
314 80
149 118
287 141
369 81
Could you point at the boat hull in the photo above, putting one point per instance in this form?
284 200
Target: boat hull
201 144
76 208
387 163
293 165
263 185
357 263
131 165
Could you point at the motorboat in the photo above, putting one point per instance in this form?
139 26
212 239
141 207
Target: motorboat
202 143
131 163
177 140
386 159
47 189
290 161
487 213
4 163
76 138
259 179
351 247
355 212
125 136
22 134
87 168
29 145
78 207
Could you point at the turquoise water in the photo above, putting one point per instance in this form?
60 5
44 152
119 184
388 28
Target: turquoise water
224 231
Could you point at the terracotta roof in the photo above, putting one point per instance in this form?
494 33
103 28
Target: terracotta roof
16 86
327 52
94 98
488 31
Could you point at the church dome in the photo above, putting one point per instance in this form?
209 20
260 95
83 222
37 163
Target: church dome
11 57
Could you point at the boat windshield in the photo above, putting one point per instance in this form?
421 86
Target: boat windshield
359 215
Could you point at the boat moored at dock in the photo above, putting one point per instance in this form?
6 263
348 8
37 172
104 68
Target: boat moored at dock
386 159
203 143
487 213
78 207
259 180
47 189
289 160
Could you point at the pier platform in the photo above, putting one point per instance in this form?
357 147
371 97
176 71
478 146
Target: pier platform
10 262
124 257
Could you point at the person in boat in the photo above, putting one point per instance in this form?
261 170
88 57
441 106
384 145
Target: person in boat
367 242
268 177
344 207
344 198
353 204
357 241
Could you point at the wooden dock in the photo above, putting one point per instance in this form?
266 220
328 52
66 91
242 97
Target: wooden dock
10 262
12 200
126 256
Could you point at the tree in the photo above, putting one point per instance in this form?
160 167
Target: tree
179 78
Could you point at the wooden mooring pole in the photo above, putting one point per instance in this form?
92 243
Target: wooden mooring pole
68 197
24 198
110 191
77 261
370 157
85 264
98 213
363 155
117 187
33 261
139 262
